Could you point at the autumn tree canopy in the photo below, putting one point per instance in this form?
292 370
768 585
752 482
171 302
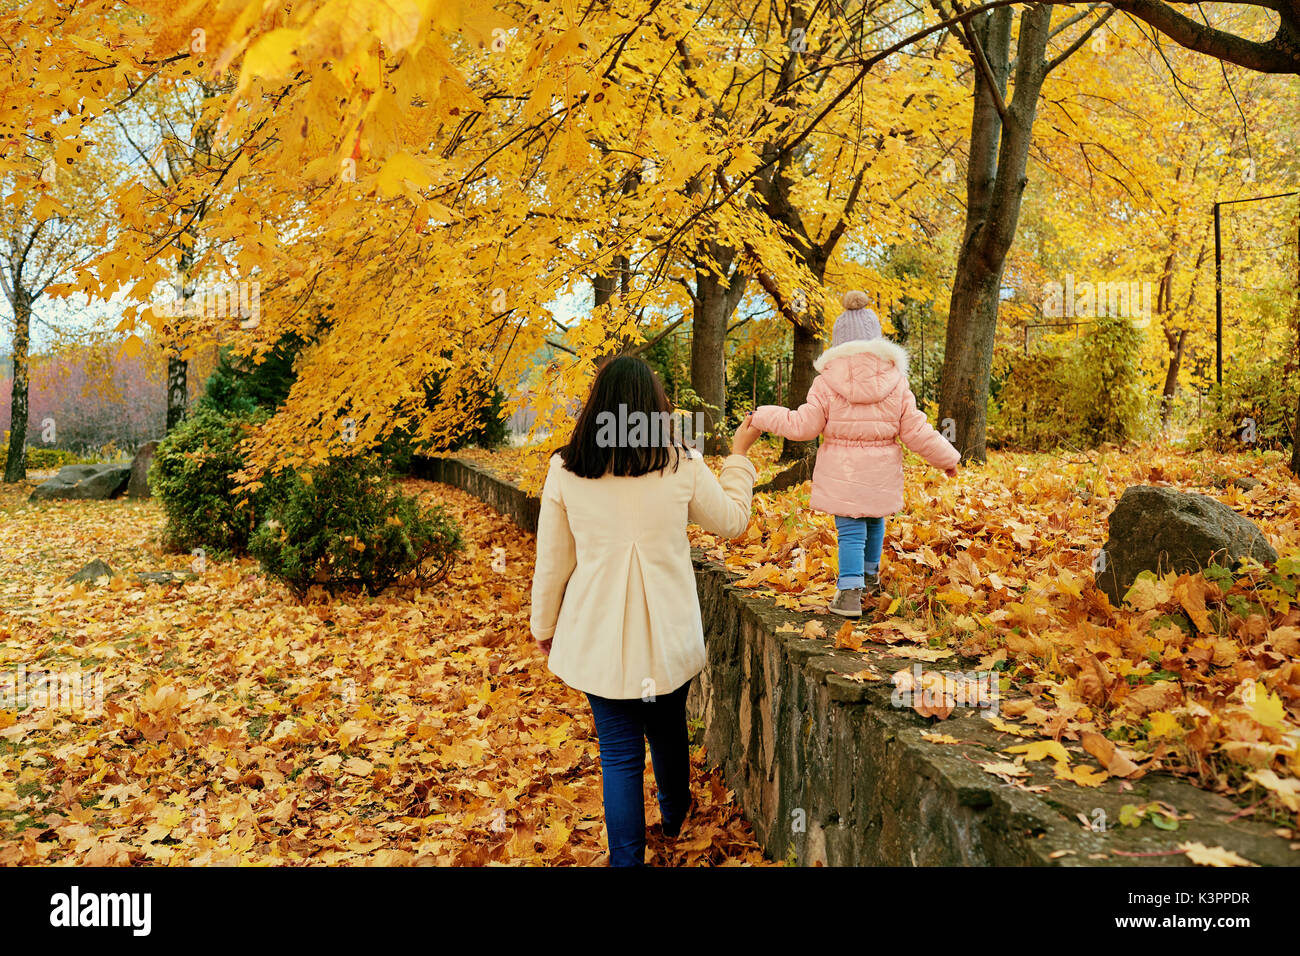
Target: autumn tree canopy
413 186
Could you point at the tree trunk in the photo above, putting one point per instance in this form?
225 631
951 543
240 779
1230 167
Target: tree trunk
16 460
995 184
1175 338
968 357
714 303
178 392
178 389
806 348
605 286
1176 343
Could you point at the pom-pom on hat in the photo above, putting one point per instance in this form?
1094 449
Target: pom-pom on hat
855 299
857 322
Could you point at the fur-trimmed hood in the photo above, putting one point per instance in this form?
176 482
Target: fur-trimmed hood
864 372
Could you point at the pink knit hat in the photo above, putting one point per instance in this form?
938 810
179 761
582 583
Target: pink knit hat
856 322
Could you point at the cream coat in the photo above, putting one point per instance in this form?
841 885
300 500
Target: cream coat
614 587
861 406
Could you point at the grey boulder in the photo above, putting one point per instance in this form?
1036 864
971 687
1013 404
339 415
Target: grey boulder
1163 530
165 577
138 484
84 482
91 573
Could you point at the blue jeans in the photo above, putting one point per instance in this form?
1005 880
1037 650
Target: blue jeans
861 542
623 727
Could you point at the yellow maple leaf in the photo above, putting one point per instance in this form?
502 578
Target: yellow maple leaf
1004 768
1163 724
1288 790
271 55
1041 750
1082 774
1002 726
1067 583
863 676
939 738
1148 592
400 169
1268 709
1190 592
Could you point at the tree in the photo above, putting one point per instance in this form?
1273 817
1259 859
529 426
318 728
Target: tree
827 170
1000 140
45 231
444 176
184 145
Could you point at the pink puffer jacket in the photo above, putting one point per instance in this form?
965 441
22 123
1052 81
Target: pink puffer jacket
861 404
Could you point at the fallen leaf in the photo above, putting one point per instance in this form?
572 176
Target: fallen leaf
1203 855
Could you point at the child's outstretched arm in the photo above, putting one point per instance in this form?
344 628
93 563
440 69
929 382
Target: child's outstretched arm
919 435
802 424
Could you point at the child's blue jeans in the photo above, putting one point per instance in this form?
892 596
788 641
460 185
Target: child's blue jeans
861 542
623 726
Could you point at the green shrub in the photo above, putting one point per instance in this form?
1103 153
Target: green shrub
670 357
346 526
1079 394
240 386
481 423
1255 410
47 459
484 404
192 477
1026 407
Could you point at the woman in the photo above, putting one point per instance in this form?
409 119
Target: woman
614 601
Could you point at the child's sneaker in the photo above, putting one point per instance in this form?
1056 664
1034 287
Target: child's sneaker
847 603
872 586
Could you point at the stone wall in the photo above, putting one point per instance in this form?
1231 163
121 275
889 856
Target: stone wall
503 496
828 770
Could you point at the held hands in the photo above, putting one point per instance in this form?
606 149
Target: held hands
544 645
745 436
951 472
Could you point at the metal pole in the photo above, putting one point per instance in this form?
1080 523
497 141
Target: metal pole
1024 411
1218 301
1218 280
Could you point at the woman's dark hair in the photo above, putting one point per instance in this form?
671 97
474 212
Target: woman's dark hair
626 427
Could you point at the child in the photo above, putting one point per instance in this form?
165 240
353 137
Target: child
861 404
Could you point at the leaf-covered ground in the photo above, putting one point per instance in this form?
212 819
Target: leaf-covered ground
239 725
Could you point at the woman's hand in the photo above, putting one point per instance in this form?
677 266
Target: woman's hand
545 646
745 437
951 472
